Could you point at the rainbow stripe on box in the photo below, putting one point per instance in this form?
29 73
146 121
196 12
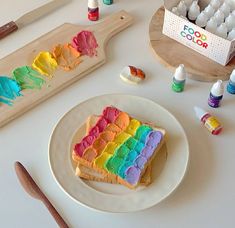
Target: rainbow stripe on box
119 144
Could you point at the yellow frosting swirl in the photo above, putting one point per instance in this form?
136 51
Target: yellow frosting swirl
45 64
121 137
132 127
101 160
106 154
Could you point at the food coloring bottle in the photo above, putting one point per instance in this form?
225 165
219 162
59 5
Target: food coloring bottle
216 94
215 4
194 11
231 83
225 8
202 20
230 21
179 79
108 2
182 8
209 121
231 35
211 25
209 11
174 10
219 16
93 10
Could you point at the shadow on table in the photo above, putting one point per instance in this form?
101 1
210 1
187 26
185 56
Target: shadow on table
200 168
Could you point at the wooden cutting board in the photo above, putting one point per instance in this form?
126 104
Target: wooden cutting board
103 31
171 53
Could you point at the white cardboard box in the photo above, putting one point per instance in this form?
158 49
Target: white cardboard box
191 35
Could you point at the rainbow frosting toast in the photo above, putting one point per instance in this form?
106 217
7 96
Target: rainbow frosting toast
119 147
88 173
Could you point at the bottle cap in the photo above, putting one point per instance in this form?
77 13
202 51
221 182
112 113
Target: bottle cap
194 11
92 4
180 73
232 76
215 4
202 19
231 35
225 8
231 4
175 11
209 11
182 8
211 25
230 21
217 89
222 30
188 3
219 15
199 112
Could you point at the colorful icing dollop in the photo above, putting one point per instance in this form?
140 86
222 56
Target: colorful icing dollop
67 57
45 64
85 42
122 146
28 78
9 90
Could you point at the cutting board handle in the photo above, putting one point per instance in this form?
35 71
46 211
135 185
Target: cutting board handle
113 24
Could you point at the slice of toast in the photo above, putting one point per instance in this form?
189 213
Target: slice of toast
119 147
90 174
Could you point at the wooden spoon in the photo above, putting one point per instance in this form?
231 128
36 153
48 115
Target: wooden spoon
32 188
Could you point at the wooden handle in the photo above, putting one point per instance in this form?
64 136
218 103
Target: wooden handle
32 188
54 213
113 24
8 29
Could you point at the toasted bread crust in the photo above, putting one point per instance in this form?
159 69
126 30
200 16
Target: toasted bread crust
88 173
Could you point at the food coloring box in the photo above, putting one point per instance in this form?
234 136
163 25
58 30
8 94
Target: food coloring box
189 34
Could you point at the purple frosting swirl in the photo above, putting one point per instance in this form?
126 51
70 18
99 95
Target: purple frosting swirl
147 152
133 175
140 162
154 138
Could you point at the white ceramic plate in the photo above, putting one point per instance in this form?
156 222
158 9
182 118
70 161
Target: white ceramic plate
167 173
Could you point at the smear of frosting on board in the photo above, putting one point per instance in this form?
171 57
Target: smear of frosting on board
9 90
85 42
67 56
45 64
28 78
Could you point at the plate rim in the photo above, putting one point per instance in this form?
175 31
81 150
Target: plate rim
92 207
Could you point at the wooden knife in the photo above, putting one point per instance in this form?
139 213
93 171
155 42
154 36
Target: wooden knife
32 189
30 17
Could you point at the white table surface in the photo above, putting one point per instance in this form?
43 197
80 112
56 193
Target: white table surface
205 198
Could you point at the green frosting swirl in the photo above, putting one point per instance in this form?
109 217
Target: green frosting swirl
28 78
